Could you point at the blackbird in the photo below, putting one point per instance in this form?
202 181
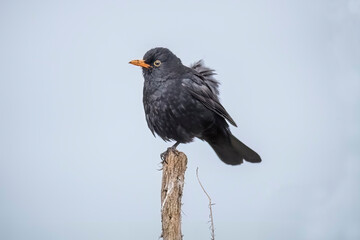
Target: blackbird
182 102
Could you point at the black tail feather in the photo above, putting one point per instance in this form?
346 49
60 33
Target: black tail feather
232 151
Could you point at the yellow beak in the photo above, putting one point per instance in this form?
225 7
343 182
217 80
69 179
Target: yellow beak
140 63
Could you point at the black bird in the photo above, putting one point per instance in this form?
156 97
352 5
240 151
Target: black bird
182 103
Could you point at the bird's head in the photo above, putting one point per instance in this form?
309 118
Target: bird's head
158 62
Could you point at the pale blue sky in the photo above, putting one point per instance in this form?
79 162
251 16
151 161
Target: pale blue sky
77 160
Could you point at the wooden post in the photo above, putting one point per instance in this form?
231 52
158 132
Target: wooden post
172 186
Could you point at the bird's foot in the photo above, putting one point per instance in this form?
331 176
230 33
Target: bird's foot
170 149
164 154
163 157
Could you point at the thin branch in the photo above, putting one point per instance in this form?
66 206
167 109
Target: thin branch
210 204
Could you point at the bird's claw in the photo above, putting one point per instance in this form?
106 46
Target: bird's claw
163 157
165 154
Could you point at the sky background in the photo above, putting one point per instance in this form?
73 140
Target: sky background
77 160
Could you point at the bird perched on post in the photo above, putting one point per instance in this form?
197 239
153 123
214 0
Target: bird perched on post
182 103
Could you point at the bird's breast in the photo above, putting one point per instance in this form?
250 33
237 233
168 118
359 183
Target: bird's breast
169 110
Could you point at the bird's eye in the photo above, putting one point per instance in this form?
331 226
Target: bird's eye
157 63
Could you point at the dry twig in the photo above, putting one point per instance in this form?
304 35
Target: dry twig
212 228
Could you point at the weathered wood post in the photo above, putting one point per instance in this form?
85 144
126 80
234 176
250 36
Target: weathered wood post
174 167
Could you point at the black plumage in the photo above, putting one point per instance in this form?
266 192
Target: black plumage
182 103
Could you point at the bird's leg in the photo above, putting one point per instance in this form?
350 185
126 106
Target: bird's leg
175 145
164 154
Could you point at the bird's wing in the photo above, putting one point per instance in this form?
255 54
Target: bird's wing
148 119
207 74
203 86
